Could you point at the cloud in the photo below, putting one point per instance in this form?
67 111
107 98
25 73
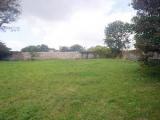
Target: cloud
85 26
66 22
54 10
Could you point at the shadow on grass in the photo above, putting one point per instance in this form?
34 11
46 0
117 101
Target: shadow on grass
152 72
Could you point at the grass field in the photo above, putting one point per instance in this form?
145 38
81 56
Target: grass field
77 90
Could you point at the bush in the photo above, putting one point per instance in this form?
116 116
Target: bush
151 70
64 49
77 48
73 48
102 51
38 48
4 51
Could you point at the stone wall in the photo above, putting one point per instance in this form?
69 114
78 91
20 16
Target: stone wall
58 55
20 56
45 55
153 55
131 55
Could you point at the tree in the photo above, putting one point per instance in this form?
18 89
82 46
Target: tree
9 11
52 50
147 27
64 49
30 49
147 7
102 51
77 48
4 51
43 48
38 48
117 36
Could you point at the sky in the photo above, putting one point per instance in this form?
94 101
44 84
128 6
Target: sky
65 22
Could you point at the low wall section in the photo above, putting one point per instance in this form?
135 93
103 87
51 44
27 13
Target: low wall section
58 55
44 55
130 55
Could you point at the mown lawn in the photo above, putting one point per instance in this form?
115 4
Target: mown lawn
77 90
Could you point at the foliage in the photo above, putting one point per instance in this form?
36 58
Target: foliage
43 48
102 51
4 51
147 26
77 90
77 48
33 55
9 11
151 68
147 7
52 49
117 36
73 48
38 48
64 49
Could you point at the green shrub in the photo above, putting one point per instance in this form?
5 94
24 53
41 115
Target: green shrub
4 51
151 68
101 51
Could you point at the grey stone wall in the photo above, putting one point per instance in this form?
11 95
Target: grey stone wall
20 56
45 55
58 55
153 55
131 55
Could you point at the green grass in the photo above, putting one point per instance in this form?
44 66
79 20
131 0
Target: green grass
77 90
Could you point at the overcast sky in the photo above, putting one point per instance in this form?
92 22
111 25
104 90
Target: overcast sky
65 22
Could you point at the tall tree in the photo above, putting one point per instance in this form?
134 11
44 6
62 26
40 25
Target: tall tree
117 36
9 11
147 26
147 7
